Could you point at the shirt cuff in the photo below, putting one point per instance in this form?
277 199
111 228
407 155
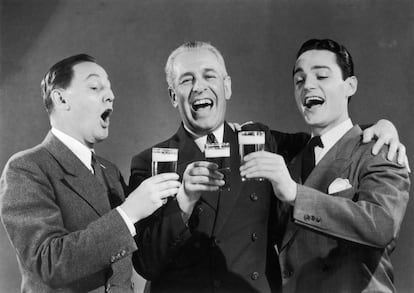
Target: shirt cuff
127 221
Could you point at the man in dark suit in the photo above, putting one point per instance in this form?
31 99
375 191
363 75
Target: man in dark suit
343 217
207 239
62 206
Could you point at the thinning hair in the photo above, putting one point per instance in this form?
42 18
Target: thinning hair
60 75
188 46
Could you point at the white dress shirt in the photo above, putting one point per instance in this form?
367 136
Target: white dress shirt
202 140
330 138
84 154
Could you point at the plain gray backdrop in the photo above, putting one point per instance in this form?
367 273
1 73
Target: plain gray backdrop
259 38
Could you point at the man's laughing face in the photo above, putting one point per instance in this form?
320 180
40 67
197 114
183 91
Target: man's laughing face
321 93
200 90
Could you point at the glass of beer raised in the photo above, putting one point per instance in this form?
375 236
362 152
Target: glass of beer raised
217 153
164 160
249 142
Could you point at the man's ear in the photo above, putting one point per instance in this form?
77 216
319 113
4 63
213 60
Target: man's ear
173 97
59 100
351 85
227 87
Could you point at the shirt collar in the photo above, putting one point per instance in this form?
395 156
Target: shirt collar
201 141
331 137
80 150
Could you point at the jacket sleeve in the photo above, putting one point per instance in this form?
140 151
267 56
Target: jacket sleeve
33 220
160 235
368 213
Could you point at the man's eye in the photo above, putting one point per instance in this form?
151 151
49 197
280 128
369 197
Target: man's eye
299 81
322 77
210 76
186 81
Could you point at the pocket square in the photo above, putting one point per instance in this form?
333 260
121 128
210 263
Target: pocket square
338 185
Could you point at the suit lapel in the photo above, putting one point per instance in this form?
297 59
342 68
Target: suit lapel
77 177
332 166
115 189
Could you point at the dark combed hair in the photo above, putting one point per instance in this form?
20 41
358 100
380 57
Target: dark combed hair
343 57
60 76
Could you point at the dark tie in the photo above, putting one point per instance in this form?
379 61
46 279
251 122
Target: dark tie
308 158
211 138
98 170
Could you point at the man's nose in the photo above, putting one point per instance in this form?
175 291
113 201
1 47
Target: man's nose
309 83
199 85
109 96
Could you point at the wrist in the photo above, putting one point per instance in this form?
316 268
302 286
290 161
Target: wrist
185 202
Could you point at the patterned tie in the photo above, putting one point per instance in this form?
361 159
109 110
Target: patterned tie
211 138
97 170
308 158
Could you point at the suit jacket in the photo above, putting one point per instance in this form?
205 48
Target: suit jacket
341 242
223 248
59 220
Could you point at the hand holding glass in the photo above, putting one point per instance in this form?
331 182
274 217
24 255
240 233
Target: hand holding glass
249 142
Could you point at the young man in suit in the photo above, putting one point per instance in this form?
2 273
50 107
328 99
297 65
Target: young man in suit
63 207
206 239
342 219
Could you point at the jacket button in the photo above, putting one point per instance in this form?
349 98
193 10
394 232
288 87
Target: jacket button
214 242
123 252
254 197
216 283
306 217
313 218
255 275
287 274
113 258
199 210
318 219
254 236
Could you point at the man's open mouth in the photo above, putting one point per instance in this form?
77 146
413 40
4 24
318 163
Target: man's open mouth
202 104
105 115
311 101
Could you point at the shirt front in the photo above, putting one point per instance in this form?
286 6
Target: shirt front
202 140
330 138
80 150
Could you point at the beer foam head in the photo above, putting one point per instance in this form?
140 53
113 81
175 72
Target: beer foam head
259 138
164 155
217 152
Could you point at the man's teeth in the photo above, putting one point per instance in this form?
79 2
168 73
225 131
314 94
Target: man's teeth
313 101
202 103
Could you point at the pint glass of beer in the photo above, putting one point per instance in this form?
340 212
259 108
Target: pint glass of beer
164 160
249 142
217 153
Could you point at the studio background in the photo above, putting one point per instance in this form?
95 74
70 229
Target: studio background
258 38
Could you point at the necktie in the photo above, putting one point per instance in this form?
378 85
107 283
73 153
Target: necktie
97 170
308 158
211 138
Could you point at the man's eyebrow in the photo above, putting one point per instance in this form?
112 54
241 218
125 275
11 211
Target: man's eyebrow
296 70
98 76
299 69
95 75
321 67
